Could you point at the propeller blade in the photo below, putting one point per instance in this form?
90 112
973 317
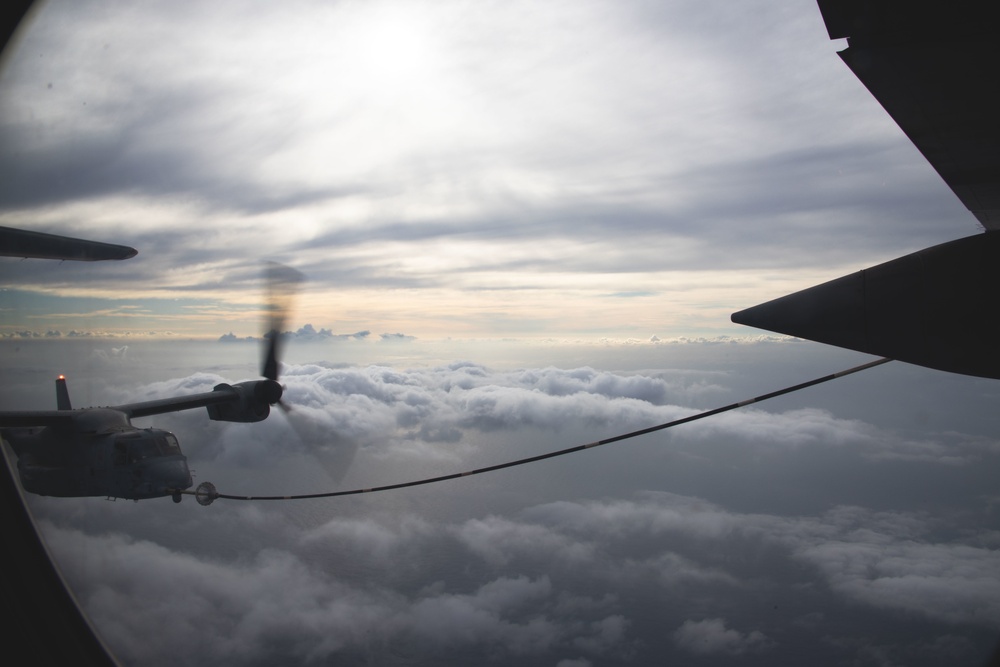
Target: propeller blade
270 369
282 286
333 453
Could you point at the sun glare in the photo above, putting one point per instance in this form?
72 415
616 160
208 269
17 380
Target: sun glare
392 49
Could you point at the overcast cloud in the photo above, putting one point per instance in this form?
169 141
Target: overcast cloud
444 168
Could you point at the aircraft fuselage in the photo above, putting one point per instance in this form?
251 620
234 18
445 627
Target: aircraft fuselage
116 459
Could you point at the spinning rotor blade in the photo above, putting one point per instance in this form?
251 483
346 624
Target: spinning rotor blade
282 285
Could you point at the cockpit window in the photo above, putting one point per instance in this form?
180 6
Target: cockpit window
169 445
133 448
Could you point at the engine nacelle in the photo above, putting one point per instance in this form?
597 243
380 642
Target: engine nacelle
251 401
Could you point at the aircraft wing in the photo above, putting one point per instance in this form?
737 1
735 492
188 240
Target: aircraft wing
247 401
38 245
934 68
66 415
161 406
175 404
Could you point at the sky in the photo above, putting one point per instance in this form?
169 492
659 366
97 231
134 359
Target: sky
448 169
523 227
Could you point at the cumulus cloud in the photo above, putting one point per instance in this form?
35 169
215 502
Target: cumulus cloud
575 662
395 337
74 333
499 540
750 537
447 404
232 338
277 605
110 355
711 636
884 559
304 334
951 581
562 581
454 415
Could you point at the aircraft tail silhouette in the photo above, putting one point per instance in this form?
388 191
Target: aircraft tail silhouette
62 394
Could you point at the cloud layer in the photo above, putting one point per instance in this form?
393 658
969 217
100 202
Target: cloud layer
787 530
558 581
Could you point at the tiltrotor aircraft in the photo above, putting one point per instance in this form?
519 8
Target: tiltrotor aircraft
99 452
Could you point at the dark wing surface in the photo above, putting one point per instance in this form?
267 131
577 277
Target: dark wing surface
165 405
935 68
38 245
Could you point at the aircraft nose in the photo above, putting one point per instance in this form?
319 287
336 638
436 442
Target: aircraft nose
173 474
